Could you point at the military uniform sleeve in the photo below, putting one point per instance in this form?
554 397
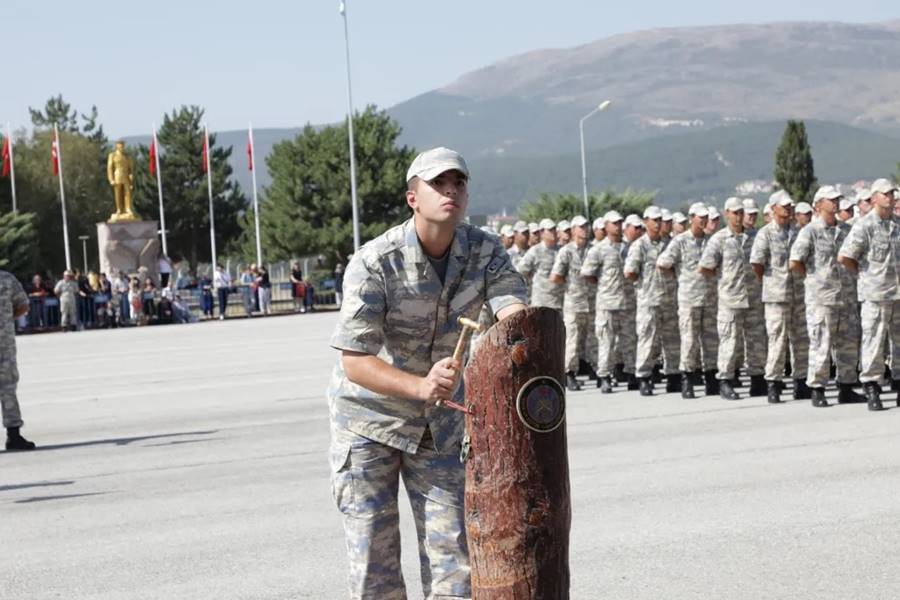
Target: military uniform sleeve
561 263
360 326
857 242
671 256
503 285
592 261
712 255
527 264
635 258
759 253
801 250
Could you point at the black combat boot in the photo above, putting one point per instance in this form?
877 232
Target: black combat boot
801 390
657 374
646 386
774 394
818 397
673 383
873 395
571 383
633 384
697 377
592 374
736 380
605 385
757 385
726 391
15 441
687 385
846 395
712 384
619 373
895 385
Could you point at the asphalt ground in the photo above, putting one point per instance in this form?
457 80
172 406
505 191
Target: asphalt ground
191 462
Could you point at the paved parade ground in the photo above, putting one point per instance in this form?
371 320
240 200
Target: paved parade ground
191 462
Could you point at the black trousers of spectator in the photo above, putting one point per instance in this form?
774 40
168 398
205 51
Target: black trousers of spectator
223 300
164 280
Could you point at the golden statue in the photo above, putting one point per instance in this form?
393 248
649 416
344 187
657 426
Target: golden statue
120 173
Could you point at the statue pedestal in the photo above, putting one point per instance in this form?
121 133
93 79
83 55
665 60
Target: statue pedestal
129 245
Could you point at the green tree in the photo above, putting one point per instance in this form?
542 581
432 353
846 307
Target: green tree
794 170
18 243
307 207
60 113
566 206
185 188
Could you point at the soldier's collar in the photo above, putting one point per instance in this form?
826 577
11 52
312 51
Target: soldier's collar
413 248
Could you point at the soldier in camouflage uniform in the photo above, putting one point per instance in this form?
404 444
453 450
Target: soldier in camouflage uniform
66 289
536 266
696 320
563 233
782 295
873 249
576 302
599 229
396 332
520 243
756 319
534 234
13 304
830 300
725 255
626 343
603 268
652 326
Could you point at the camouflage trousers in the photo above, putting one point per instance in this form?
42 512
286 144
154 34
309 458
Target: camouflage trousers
626 339
656 329
786 325
365 479
9 403
578 329
699 338
731 324
610 325
833 335
880 328
589 353
67 314
756 319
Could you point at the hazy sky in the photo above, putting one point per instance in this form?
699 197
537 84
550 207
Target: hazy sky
281 63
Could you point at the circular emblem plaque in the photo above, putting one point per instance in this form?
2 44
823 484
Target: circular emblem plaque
541 404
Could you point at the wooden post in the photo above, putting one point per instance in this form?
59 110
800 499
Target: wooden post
517 504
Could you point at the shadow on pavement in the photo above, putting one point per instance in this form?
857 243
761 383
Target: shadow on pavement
116 441
58 497
25 486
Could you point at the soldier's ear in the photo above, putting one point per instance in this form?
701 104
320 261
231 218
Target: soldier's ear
411 199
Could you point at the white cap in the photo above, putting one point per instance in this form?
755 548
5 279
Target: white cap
612 216
563 225
863 194
578 221
803 208
845 204
547 224
634 220
520 227
666 215
749 206
713 212
599 223
767 209
734 204
431 163
698 209
781 198
652 212
827 192
533 227
679 217
507 231
883 186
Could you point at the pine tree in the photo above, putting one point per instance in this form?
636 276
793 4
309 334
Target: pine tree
307 207
185 188
18 243
794 163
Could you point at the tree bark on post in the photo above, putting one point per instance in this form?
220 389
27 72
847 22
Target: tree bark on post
517 503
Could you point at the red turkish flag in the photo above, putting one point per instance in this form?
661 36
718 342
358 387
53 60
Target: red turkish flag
153 156
5 156
205 154
54 154
250 153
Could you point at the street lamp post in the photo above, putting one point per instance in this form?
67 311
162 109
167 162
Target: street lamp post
353 200
84 239
602 106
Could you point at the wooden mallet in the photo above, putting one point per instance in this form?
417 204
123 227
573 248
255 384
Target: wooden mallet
468 327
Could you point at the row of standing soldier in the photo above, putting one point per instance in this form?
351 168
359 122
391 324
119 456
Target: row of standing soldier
677 296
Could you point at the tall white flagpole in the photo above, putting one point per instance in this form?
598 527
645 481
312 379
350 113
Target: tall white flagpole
12 165
62 195
212 218
162 211
353 199
255 199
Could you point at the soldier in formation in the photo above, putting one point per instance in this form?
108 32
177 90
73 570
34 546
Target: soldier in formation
13 304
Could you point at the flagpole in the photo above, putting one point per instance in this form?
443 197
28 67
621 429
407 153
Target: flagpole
162 211
353 199
255 200
62 195
12 165
212 219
